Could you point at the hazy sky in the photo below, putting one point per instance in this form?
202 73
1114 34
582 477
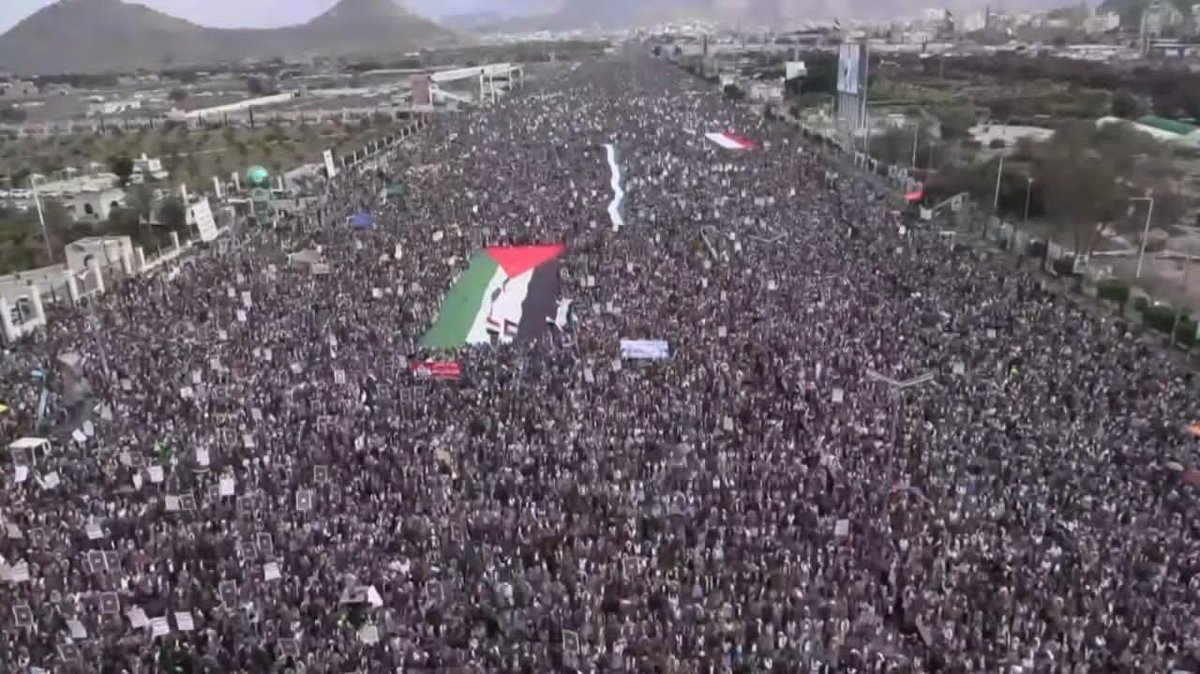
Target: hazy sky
243 14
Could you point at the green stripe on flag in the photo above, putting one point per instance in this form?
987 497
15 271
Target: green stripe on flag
462 305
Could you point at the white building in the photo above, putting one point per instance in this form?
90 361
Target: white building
933 15
69 187
96 205
766 91
1157 17
1009 134
107 251
113 107
1102 22
150 168
18 89
972 21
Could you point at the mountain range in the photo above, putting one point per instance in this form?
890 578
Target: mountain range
608 14
87 36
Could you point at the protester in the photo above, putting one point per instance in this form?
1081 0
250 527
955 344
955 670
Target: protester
256 457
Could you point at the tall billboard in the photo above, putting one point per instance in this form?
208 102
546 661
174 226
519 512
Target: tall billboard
852 117
850 69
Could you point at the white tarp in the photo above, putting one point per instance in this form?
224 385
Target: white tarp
645 349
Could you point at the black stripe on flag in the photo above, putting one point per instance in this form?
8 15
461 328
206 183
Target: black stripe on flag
541 301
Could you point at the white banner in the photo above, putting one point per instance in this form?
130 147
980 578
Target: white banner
330 169
205 224
645 349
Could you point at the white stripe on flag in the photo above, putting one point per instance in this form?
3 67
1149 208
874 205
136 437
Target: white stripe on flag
507 308
725 141
563 315
479 328
614 206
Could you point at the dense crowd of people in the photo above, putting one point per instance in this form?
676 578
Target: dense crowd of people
246 475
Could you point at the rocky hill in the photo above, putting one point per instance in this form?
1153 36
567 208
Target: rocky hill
86 36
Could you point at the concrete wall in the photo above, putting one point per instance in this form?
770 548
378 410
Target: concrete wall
87 272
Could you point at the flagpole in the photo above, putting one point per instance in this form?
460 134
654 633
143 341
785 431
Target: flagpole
866 120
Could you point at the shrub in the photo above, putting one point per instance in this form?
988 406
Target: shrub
1185 334
1159 316
1037 249
1140 303
1065 266
1114 290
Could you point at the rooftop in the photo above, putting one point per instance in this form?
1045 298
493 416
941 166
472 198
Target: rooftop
1168 125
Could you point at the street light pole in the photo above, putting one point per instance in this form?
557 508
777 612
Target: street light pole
999 174
1028 194
1145 233
1187 270
916 134
37 201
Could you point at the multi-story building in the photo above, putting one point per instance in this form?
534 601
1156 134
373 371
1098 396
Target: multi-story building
13 89
1102 22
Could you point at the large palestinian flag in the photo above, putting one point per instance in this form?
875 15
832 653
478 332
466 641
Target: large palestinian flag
506 295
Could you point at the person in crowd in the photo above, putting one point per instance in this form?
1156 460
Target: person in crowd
246 475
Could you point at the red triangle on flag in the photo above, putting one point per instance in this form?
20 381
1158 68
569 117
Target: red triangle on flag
516 260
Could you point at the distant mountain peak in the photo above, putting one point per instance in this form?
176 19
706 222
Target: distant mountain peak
112 35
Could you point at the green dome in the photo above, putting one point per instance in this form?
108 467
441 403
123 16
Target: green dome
257 175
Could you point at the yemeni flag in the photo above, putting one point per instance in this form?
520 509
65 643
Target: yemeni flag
505 296
730 141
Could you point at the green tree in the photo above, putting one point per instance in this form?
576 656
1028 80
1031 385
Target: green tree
140 200
122 167
1086 177
1126 105
12 114
19 178
733 92
173 214
123 222
178 95
956 121
893 146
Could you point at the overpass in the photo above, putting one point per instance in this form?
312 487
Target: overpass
493 80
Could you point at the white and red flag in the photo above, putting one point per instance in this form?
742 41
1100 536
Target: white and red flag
730 141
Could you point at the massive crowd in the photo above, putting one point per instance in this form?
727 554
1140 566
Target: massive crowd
261 483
